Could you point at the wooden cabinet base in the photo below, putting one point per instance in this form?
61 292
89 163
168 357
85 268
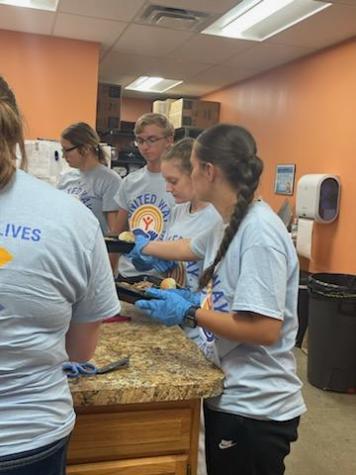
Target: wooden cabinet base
169 465
136 439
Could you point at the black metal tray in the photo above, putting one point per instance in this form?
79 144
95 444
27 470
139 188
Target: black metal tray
116 245
130 294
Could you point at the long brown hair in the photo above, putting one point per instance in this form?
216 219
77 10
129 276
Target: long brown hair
82 135
233 149
11 134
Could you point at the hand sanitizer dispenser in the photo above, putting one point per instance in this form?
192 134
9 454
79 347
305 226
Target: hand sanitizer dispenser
318 197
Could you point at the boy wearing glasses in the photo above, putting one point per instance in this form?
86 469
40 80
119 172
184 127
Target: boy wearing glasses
144 203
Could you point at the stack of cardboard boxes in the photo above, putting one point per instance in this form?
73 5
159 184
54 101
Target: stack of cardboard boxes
108 107
189 112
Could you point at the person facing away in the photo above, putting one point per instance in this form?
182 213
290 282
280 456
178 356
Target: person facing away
55 288
145 205
248 312
91 181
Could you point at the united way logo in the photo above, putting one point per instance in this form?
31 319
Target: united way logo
5 257
148 218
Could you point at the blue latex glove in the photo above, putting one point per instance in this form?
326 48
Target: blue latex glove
143 262
193 297
167 307
139 260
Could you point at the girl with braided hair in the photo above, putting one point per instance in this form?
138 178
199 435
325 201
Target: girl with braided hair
248 312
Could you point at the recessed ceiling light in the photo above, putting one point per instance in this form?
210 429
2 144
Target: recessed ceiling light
152 84
49 5
258 20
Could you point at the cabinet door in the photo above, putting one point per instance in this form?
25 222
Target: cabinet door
169 465
128 435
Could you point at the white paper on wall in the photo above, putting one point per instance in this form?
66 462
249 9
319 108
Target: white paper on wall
305 237
45 160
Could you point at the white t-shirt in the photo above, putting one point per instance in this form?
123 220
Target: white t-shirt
95 188
258 274
54 270
143 195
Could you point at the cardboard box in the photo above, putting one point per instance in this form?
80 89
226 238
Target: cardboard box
162 107
194 113
108 107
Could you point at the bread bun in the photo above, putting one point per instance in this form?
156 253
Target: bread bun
127 236
168 283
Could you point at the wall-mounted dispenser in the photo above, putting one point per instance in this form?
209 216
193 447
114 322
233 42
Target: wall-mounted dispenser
318 197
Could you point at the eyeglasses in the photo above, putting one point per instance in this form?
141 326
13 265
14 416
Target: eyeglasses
139 141
66 150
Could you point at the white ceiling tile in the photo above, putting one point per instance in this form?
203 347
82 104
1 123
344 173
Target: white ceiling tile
327 27
26 20
220 75
123 10
191 89
148 40
103 31
265 56
210 6
115 64
211 49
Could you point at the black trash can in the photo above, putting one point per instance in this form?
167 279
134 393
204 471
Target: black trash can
332 332
303 308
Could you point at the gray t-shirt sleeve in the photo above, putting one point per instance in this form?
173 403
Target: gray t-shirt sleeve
120 196
100 300
111 188
259 289
199 244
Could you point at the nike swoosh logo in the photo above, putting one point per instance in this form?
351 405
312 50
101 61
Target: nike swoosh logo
226 444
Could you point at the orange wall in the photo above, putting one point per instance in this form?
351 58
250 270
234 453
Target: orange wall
304 113
55 80
132 108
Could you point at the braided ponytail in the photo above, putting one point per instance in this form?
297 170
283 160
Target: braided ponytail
233 150
11 134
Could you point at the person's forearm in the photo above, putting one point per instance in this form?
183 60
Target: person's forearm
81 340
121 222
243 327
178 250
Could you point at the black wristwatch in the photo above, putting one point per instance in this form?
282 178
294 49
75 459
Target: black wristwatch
190 319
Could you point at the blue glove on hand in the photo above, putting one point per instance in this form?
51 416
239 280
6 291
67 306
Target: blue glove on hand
167 307
143 262
163 266
139 260
193 297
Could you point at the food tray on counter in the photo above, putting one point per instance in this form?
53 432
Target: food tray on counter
135 289
114 244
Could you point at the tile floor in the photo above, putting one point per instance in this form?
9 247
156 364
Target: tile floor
327 432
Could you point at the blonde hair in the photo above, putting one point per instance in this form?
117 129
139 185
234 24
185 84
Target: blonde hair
181 151
11 134
152 118
82 135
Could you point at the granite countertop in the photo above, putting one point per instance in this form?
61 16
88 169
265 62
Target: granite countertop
164 366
